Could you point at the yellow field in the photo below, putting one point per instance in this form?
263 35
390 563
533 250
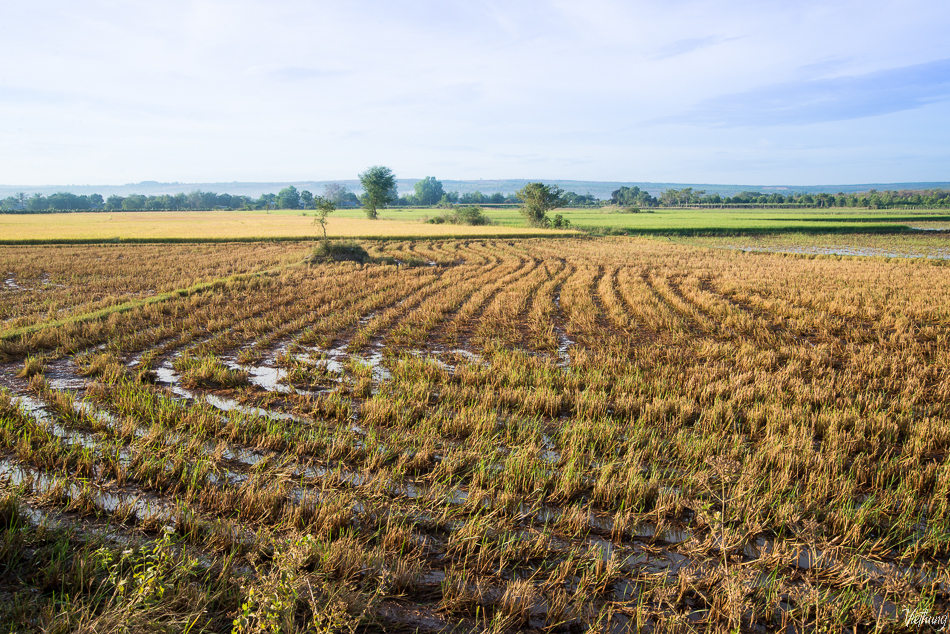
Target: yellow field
223 225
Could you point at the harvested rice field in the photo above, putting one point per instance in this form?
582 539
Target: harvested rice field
481 435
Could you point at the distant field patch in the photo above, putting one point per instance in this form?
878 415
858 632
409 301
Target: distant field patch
223 225
211 226
710 221
902 245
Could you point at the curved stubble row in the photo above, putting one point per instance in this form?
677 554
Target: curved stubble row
59 281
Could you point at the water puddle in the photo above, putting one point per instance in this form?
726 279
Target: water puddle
10 284
143 506
263 376
32 407
166 375
230 405
336 360
36 409
852 251
66 382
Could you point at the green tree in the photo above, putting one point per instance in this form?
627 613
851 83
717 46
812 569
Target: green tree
572 199
67 202
472 198
632 197
96 201
379 185
224 200
429 191
306 199
114 203
288 198
37 202
266 201
135 202
537 199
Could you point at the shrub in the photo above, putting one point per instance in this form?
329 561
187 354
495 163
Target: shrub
472 215
328 251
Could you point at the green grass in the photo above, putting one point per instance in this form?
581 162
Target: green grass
700 222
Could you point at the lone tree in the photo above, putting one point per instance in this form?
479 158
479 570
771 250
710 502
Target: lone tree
379 185
537 199
324 207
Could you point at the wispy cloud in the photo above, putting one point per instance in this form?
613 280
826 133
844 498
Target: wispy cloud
688 45
822 100
291 73
296 73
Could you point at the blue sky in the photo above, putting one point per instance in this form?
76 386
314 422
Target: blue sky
767 92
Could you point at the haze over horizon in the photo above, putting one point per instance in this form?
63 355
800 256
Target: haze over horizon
648 91
599 189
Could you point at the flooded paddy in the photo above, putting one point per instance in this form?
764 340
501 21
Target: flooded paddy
559 435
928 242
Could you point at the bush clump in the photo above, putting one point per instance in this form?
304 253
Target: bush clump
329 251
473 216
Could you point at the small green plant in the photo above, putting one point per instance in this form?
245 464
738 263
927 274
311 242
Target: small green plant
208 371
324 207
31 367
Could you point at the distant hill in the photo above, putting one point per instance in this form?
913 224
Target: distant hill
600 189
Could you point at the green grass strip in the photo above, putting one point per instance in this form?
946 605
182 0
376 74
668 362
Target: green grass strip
705 232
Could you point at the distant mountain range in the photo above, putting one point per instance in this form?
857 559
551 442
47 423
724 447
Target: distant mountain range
600 189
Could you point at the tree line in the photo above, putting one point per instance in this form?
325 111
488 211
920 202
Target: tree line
287 198
379 185
873 199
